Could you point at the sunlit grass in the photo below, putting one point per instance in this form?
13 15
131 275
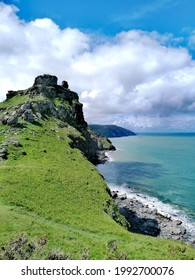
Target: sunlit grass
49 189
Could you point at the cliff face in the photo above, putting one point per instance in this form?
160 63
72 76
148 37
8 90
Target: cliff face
46 99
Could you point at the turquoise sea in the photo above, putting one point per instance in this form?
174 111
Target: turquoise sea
158 169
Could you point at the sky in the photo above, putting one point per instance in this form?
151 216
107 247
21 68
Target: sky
131 62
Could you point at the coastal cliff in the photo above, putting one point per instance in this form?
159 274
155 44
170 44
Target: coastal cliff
54 203
46 99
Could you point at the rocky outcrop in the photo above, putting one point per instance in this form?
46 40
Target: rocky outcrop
43 96
92 146
65 84
48 99
46 80
147 220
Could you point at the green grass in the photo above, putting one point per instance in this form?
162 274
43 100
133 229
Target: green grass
48 189
16 100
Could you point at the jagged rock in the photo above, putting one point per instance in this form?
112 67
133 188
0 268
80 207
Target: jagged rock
47 99
46 80
11 94
13 119
24 107
5 119
28 116
65 84
148 220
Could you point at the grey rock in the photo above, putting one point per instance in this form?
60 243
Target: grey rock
147 220
178 222
24 107
176 231
38 115
47 99
46 80
28 116
13 119
5 119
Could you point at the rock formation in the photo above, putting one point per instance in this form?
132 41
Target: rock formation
48 99
145 219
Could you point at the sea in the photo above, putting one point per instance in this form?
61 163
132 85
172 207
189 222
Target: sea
158 169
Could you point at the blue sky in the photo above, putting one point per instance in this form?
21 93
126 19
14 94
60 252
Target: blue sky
111 17
132 62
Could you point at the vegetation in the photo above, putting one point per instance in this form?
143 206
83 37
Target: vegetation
54 204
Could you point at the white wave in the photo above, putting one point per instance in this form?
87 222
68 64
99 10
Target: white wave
164 209
109 156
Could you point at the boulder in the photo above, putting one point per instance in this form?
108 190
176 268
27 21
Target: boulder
28 116
24 107
65 84
10 94
5 119
13 119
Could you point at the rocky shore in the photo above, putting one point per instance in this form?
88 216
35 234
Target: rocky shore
146 219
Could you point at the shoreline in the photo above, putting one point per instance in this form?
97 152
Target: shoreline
148 220
146 216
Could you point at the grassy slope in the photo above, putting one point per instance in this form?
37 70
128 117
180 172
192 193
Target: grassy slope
54 191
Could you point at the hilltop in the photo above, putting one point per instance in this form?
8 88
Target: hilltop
54 204
111 130
46 99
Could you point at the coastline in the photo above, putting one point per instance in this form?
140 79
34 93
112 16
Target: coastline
148 218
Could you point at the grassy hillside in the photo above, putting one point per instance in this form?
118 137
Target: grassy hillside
55 204
48 189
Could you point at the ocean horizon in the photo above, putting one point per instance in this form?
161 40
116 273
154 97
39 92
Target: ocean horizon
158 169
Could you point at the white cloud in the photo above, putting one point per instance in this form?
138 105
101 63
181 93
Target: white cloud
133 79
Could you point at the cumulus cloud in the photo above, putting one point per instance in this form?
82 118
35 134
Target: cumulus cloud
137 79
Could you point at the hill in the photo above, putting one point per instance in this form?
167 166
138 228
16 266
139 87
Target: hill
54 204
111 130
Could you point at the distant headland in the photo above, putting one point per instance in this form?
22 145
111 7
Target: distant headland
111 131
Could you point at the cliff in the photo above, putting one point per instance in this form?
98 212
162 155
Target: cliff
54 204
46 99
